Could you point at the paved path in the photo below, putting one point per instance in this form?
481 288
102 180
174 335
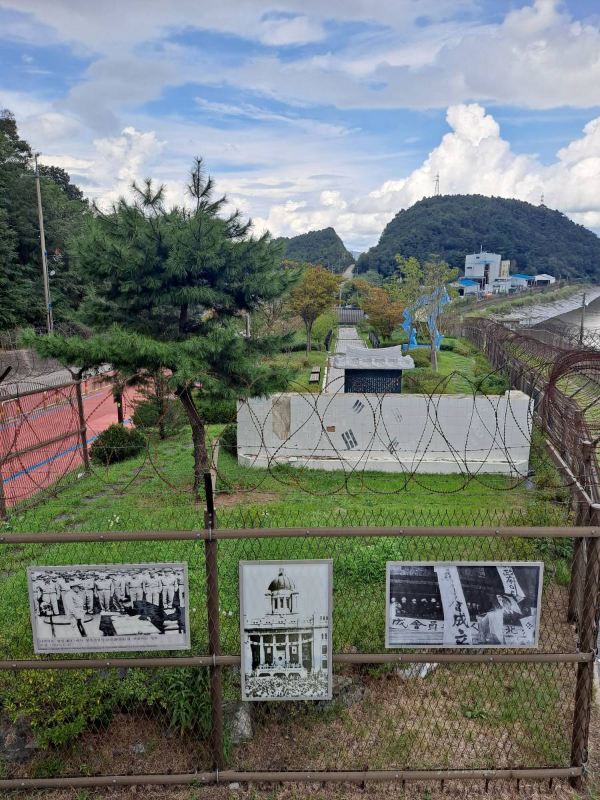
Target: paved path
347 337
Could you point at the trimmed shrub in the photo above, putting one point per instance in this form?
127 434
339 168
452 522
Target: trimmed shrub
422 358
117 443
215 411
228 439
425 381
448 343
492 384
300 347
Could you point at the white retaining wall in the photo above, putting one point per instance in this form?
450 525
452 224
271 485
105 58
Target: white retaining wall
391 433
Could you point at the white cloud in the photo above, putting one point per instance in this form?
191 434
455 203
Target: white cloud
114 164
472 159
291 31
250 111
537 57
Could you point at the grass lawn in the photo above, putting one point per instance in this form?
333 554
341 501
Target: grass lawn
153 492
304 364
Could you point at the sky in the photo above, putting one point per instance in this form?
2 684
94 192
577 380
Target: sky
310 113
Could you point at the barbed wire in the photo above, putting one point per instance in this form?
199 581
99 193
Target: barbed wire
561 384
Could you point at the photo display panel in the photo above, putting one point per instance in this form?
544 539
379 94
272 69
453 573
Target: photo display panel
285 618
105 607
463 603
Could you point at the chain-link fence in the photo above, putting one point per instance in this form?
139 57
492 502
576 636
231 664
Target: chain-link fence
397 714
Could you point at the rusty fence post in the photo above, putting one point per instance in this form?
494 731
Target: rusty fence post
82 425
587 643
578 565
3 508
214 637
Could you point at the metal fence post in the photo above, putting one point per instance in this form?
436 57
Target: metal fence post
578 566
3 509
214 638
82 425
587 643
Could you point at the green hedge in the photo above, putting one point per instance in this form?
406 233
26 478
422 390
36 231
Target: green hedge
117 443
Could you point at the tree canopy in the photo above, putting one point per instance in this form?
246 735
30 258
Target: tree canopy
315 294
169 287
21 287
318 247
539 239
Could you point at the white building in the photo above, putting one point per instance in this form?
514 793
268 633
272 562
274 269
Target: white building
543 280
520 281
484 268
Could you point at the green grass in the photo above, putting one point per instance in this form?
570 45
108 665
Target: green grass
154 492
303 364
524 300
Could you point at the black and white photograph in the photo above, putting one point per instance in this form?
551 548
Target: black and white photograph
463 603
285 617
104 607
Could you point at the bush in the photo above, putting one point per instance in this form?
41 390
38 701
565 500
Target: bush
448 343
300 347
215 410
228 439
492 384
167 416
463 349
117 443
422 358
426 381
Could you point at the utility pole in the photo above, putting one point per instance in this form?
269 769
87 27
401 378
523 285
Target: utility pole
582 327
49 321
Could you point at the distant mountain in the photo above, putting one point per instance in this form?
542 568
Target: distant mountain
356 254
318 247
537 238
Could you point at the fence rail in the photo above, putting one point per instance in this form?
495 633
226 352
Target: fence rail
422 713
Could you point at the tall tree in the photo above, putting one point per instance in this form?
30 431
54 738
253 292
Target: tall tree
170 289
20 257
384 311
315 294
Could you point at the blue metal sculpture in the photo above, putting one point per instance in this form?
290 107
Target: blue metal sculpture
411 330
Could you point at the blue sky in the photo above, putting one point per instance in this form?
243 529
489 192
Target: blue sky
311 114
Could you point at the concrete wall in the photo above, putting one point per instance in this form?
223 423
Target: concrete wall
391 433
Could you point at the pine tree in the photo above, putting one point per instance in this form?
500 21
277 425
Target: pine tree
170 288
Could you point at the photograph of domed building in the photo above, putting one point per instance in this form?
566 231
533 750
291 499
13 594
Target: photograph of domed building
285 613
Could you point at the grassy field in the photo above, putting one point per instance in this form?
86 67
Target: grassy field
398 722
304 364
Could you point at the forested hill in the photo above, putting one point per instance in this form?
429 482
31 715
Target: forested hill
537 238
318 247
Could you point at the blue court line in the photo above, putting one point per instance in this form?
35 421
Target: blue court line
52 458
40 414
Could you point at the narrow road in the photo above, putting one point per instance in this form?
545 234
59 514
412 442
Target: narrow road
347 337
348 272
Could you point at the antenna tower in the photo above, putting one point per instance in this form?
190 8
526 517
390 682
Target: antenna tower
436 190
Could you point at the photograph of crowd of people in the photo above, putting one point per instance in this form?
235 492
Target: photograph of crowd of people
109 607
463 604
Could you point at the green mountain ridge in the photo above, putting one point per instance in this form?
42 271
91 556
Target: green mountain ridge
318 247
538 238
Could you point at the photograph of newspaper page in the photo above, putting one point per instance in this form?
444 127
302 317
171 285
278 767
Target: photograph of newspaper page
463 603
